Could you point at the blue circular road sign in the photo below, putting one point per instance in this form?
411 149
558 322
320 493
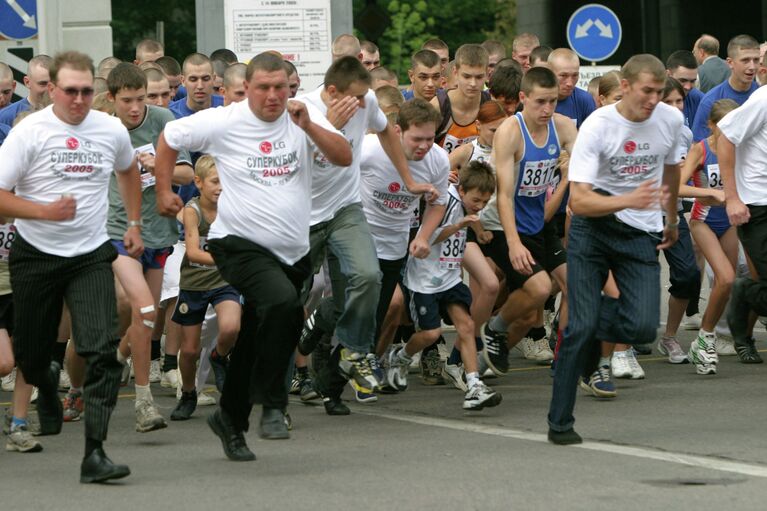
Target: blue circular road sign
18 19
594 32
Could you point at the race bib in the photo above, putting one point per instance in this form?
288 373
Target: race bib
451 255
7 234
536 176
451 142
147 178
714 177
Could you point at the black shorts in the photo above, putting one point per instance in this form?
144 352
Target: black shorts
6 313
426 310
545 247
192 305
559 220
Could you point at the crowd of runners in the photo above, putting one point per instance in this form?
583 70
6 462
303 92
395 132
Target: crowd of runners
161 219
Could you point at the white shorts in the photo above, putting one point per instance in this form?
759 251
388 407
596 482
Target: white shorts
172 274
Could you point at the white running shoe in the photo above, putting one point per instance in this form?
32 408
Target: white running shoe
691 322
155 374
480 396
21 440
527 347
148 418
204 399
545 355
724 346
396 373
169 379
455 374
669 346
703 353
9 381
64 382
624 365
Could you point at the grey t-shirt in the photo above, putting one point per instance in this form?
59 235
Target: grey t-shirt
158 231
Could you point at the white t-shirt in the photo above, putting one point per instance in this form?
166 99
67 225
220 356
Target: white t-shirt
387 205
264 169
441 269
335 187
746 127
617 155
45 158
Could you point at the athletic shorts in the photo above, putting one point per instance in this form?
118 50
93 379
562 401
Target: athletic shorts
6 313
427 311
191 305
559 220
545 247
151 259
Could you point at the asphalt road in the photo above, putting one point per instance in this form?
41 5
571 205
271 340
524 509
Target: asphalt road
675 440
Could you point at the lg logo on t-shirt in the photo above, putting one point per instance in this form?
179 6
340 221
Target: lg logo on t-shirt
266 147
633 166
630 146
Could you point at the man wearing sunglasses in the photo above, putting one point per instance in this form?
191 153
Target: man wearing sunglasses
59 161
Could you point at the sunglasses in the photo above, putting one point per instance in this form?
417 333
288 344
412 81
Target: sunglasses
73 92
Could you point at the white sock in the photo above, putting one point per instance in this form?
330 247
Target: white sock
472 379
604 361
143 393
402 354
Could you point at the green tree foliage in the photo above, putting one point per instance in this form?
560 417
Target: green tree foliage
454 21
136 20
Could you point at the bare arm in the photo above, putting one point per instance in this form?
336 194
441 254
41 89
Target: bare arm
585 201
393 149
737 211
168 203
669 196
13 206
691 163
419 247
459 158
451 229
333 145
193 251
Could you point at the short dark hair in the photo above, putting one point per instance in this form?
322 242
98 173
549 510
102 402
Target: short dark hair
196 59
508 62
539 77
265 61
125 76
506 82
741 42
417 111
672 84
477 175
471 55
290 68
368 46
345 71
435 44
73 60
425 58
154 75
224 54
169 65
541 53
681 58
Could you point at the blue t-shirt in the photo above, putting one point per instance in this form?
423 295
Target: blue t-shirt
408 94
722 91
180 93
691 102
8 113
577 106
181 109
4 130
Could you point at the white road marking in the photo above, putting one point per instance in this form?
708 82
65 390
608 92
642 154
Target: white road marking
637 452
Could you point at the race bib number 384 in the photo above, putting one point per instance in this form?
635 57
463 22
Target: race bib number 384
7 234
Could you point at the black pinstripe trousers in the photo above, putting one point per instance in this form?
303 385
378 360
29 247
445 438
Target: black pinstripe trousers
41 283
596 245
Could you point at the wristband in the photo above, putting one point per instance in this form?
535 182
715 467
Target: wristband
674 225
135 223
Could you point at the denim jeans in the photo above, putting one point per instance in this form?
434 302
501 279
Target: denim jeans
354 274
596 245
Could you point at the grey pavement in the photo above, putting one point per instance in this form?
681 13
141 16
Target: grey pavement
675 440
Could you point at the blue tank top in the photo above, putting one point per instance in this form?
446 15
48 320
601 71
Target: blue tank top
708 176
536 170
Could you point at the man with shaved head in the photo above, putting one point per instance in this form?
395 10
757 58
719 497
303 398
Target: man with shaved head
346 45
521 47
36 81
148 50
233 88
198 77
573 102
7 84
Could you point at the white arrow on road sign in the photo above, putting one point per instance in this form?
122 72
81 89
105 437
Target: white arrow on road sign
583 30
604 30
29 21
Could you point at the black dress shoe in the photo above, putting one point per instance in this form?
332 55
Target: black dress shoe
98 468
569 437
334 406
273 426
185 406
49 407
232 440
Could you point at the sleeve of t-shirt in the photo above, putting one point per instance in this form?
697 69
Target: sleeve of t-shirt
123 150
584 162
193 133
16 156
165 117
318 117
376 118
679 149
441 172
743 122
700 124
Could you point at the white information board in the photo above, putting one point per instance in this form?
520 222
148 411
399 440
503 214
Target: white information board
589 72
298 29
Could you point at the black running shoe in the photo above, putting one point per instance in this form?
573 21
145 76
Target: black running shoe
311 335
185 406
496 352
747 352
